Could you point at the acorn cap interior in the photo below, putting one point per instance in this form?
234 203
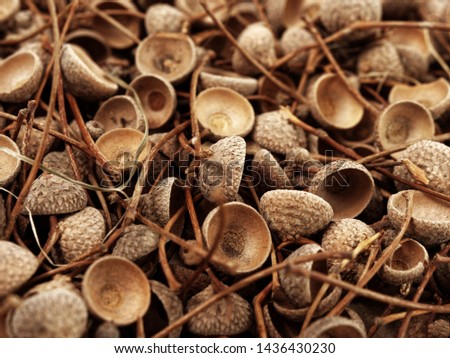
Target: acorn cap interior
118 112
407 256
16 70
9 165
411 37
268 89
92 42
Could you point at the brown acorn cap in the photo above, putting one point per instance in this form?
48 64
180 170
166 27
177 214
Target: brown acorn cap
52 195
21 74
184 274
169 148
415 63
193 9
380 58
228 316
164 18
17 265
120 112
403 122
116 290
362 133
2 218
168 55
9 165
188 256
334 327
83 77
293 213
268 89
224 112
245 242
271 175
217 77
346 185
274 132
7 11
136 241
293 38
92 42
430 221
60 162
435 95
220 175
107 330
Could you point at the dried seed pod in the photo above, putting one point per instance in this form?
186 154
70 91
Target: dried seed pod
224 112
430 220
274 132
217 77
293 213
60 162
334 327
271 175
269 90
21 74
136 241
168 55
116 290
107 330
220 175
380 58
52 195
228 316
83 77
157 96
346 185
259 41
9 165
164 18
245 240
17 265
92 42
292 39
193 8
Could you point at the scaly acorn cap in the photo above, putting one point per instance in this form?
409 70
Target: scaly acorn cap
92 42
164 18
60 162
9 165
136 241
292 39
107 330
334 327
382 58
271 175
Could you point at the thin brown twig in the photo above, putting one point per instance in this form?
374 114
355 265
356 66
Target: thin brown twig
259 315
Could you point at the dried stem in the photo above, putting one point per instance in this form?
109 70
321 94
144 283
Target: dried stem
259 315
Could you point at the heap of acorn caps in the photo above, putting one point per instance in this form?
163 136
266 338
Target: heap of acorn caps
224 168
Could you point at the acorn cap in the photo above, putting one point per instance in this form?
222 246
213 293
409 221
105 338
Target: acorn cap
107 330
268 89
245 242
217 77
194 9
293 213
242 14
188 256
271 175
403 122
168 55
2 218
334 327
274 132
169 148
292 39
83 77
52 195
228 316
21 74
362 133
430 220
220 175
157 96
9 165
136 241
7 10
415 63
380 58
164 18
346 185
60 162
92 42
116 290
224 112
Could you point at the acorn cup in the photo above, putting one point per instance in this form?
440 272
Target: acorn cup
334 327
9 165
92 42
379 59
362 133
241 15
193 8
245 240
217 77
7 11
224 112
268 89
270 174
116 290
107 330
164 18
60 162
293 38
136 242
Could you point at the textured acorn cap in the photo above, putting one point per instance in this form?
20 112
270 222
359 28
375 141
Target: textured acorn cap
116 290
220 175
21 74
188 256
271 175
258 41
9 165
245 242
170 148
228 316
403 122
107 330
52 195
83 77
164 18
380 58
217 77
398 9
334 327
293 213
274 132
432 158
136 241
224 112
60 162
430 220
292 39
92 42
168 55
157 96
270 90
193 9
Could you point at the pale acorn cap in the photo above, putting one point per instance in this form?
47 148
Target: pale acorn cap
164 18
193 8
21 75
268 89
294 213
415 63
116 290
52 195
334 327
430 220
136 241
95 129
435 95
172 56
60 162
220 175
157 96
434 10
380 58
9 165
406 264
92 42
2 218
403 122
362 133
292 39
271 175
346 185
274 132
17 265
217 77
259 41
241 15
224 112
83 77
107 330
287 13
228 316
56 313
7 10
432 158
245 242
81 232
